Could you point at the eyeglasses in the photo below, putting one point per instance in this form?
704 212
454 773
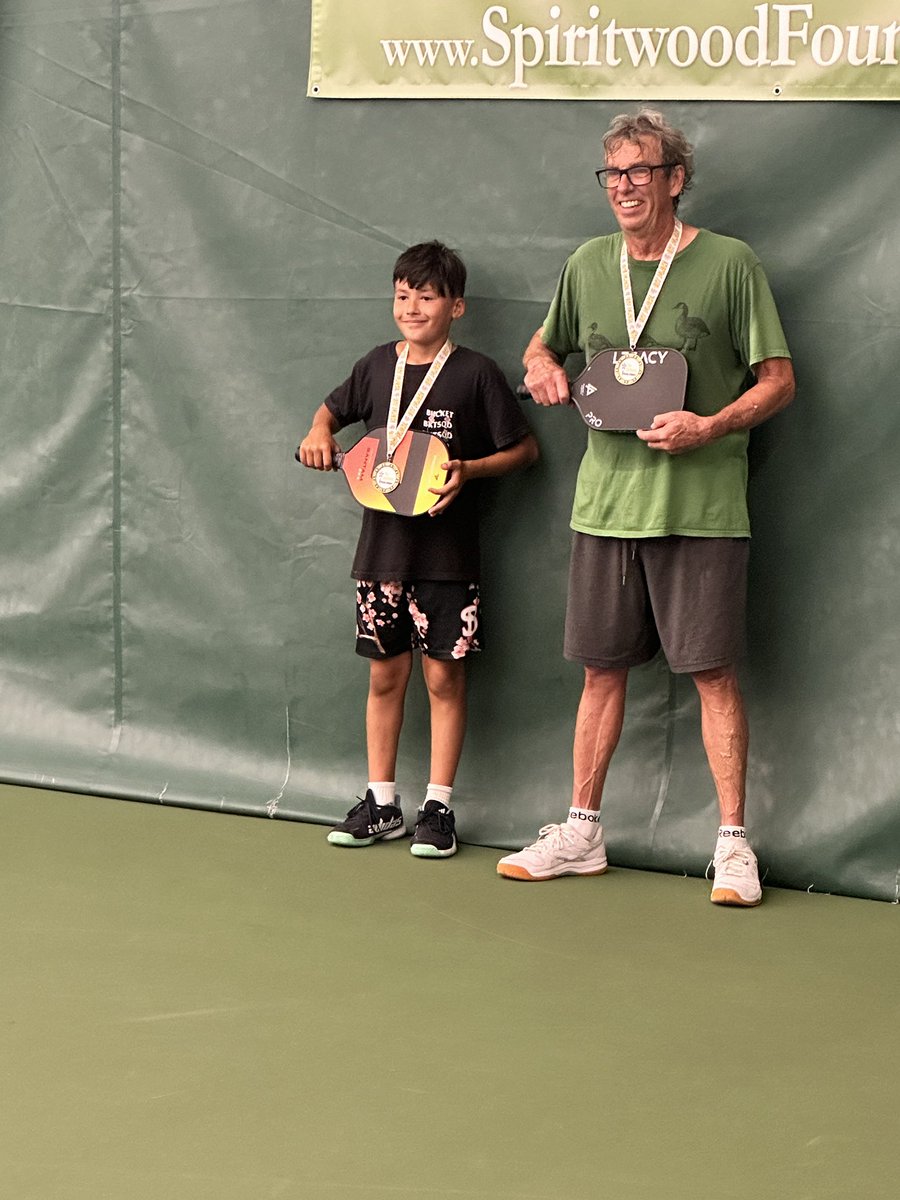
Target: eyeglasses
639 176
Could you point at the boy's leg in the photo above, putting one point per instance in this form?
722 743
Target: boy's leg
446 616
384 633
388 679
376 818
435 832
446 683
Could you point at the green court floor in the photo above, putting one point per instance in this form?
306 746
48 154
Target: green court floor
207 1007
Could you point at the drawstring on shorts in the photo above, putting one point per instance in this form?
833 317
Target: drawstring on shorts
625 557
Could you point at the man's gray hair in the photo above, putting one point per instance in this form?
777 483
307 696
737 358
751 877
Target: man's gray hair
648 122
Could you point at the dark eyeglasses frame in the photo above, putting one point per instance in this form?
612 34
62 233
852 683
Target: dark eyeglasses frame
605 172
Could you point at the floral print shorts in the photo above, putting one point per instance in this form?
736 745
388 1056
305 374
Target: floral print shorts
439 617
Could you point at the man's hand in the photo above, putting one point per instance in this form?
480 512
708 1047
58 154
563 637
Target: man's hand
456 477
544 377
547 382
677 432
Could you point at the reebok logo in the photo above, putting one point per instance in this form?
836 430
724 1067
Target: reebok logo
584 816
734 833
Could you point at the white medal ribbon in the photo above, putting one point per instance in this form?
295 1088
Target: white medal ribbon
398 428
636 326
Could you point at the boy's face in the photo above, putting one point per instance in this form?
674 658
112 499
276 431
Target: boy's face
424 317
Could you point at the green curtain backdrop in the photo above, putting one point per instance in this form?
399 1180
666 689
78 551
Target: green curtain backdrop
192 253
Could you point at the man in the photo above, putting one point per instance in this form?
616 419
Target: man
659 554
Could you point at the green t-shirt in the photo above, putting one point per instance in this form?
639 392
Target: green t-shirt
716 307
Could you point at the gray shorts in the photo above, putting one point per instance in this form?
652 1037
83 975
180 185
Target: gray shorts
628 597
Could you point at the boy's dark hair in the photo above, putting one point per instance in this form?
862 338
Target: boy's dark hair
432 264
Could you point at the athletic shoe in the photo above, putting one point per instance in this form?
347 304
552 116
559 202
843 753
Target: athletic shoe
559 850
368 822
736 878
435 834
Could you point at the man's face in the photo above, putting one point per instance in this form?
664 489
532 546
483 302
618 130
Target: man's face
645 210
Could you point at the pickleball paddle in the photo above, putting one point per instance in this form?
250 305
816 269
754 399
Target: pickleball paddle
417 466
606 403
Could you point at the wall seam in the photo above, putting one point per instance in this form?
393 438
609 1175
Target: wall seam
116 330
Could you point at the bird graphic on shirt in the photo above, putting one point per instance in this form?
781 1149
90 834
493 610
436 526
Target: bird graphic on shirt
597 341
689 329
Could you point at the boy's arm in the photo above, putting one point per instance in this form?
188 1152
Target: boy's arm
318 448
521 454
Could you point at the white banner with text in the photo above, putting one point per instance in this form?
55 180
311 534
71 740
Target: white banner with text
620 50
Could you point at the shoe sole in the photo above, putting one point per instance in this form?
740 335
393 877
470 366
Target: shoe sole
347 839
730 896
509 871
422 850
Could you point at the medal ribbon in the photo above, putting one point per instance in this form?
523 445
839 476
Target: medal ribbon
635 327
398 428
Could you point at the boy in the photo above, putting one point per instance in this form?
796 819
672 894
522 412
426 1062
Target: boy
417 577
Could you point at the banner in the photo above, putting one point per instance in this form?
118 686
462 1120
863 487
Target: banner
621 50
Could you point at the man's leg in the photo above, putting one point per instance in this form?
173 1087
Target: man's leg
576 847
725 738
598 727
726 741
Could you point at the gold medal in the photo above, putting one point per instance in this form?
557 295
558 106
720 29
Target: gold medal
629 367
386 476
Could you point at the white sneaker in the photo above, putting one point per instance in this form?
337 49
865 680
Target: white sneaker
736 878
559 850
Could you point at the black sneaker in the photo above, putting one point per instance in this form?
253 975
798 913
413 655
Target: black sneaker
367 822
435 835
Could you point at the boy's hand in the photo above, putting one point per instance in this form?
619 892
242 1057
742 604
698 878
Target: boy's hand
456 477
317 450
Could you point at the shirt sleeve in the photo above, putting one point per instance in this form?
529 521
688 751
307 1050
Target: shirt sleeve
351 400
506 423
757 332
560 331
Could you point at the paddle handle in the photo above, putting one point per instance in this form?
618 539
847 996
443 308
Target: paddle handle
337 458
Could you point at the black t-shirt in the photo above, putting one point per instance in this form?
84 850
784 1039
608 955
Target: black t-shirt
470 407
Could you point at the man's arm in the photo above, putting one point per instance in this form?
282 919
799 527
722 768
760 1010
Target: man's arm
678 432
544 376
318 448
522 454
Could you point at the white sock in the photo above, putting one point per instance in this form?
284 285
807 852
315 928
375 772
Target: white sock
384 793
731 835
585 820
437 791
